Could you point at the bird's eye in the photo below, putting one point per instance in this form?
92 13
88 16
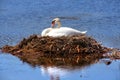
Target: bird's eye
53 22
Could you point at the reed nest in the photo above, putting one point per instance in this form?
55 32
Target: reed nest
71 50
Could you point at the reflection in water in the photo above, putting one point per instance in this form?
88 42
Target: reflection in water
55 72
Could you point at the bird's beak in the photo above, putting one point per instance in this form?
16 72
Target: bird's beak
53 24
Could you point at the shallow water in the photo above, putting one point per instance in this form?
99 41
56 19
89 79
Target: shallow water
21 18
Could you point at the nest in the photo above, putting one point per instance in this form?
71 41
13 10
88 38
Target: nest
72 50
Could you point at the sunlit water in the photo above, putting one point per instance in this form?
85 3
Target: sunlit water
21 18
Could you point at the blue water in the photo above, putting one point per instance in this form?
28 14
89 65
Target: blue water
21 18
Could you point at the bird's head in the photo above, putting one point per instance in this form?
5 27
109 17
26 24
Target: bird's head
56 21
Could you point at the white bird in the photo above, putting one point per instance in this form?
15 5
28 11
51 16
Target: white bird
60 31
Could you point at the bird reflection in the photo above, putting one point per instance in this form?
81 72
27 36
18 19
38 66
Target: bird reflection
54 72
54 78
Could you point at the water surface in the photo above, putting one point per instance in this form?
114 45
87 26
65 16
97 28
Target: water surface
21 18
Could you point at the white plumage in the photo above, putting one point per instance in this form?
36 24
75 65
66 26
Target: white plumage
60 31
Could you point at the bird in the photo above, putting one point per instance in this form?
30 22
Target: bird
59 31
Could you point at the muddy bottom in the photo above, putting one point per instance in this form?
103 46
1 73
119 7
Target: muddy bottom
49 51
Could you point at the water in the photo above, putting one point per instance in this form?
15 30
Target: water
21 18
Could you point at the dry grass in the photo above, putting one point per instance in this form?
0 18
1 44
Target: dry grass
73 50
